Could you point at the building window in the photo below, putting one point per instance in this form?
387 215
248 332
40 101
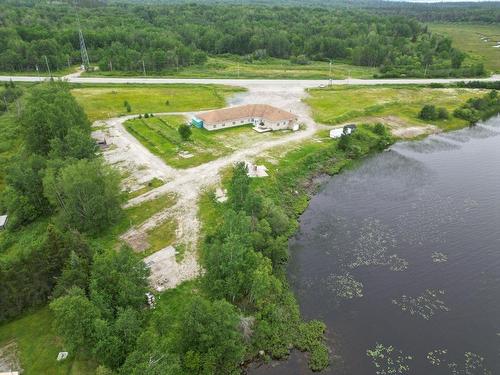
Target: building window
215 126
234 122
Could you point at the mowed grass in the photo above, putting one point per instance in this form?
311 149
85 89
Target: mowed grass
38 346
467 37
160 136
102 102
340 104
234 67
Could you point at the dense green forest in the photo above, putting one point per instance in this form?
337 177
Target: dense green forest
132 37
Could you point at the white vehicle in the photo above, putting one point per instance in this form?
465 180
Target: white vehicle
322 86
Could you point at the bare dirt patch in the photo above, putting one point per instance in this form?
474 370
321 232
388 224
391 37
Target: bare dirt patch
9 358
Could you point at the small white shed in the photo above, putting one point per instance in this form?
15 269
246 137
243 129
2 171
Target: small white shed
3 221
336 133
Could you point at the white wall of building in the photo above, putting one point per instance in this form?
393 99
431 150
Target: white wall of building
277 125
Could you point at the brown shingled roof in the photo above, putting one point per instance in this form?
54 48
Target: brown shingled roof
263 111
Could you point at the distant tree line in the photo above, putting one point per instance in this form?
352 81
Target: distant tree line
130 37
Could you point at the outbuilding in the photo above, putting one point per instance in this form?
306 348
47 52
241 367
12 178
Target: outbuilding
3 221
336 133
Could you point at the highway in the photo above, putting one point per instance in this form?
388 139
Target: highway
285 83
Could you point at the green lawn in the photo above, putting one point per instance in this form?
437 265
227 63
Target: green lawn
340 104
38 346
102 102
160 136
467 37
234 67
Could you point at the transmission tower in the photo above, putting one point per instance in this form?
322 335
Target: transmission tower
83 48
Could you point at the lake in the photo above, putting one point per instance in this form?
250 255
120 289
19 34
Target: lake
404 251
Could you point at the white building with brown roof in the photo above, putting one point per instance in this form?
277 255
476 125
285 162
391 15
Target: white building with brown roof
262 116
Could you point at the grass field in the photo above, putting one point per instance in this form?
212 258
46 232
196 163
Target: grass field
160 136
38 346
234 67
101 102
467 37
340 104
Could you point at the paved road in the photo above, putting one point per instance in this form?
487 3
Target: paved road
298 83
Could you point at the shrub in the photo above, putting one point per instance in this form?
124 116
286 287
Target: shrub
428 112
379 129
443 113
146 115
185 132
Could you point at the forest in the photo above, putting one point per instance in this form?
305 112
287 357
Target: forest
160 38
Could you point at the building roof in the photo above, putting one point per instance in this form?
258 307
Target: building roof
263 111
3 220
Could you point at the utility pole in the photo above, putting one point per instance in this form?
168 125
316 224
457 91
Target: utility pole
238 70
110 65
143 67
48 67
331 72
38 72
69 65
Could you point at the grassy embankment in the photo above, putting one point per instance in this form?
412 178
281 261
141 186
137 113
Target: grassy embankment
272 68
395 106
467 37
105 101
160 136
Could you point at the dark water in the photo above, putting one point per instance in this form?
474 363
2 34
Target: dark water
421 221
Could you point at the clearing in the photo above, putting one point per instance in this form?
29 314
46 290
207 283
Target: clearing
397 106
100 102
478 40
32 341
237 67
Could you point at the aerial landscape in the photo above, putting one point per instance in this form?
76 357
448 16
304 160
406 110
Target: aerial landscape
239 187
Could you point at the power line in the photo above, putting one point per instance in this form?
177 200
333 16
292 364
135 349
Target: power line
83 48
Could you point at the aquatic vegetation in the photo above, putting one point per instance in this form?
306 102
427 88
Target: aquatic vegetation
345 286
426 305
372 248
473 363
436 356
388 360
396 263
438 257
